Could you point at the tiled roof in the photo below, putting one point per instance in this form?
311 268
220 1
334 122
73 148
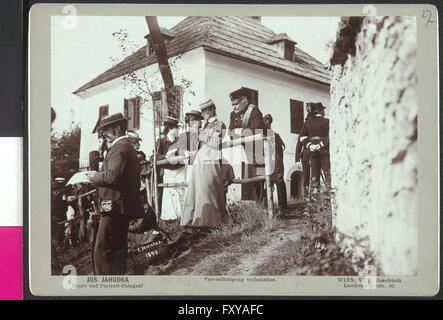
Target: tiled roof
240 37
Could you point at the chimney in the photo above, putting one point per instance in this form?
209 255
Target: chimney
258 19
167 36
149 46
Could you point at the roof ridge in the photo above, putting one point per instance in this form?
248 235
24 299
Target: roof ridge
307 54
255 23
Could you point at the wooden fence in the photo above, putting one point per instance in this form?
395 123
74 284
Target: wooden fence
268 144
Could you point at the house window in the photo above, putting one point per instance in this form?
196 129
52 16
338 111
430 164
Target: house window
103 111
132 109
158 103
297 115
252 96
289 51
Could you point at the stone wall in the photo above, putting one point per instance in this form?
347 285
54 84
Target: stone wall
374 142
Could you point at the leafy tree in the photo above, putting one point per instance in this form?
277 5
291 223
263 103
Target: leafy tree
147 84
65 152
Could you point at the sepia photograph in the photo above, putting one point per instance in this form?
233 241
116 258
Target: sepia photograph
234 145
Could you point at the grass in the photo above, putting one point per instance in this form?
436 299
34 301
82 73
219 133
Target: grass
79 256
246 219
246 231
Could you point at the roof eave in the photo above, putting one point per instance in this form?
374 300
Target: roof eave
207 48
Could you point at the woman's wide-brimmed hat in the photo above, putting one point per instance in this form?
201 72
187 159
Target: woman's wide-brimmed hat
207 104
133 136
194 113
111 119
170 121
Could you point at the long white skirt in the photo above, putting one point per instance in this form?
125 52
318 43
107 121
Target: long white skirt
173 197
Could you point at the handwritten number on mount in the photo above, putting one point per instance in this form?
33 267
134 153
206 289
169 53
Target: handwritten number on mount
427 14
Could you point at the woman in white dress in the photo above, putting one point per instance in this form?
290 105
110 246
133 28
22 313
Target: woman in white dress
173 173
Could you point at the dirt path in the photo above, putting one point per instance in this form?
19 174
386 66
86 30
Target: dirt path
239 258
249 262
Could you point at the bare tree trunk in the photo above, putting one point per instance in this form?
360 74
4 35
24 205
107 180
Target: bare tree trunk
165 70
160 52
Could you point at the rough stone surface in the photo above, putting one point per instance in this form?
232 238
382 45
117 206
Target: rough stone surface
374 142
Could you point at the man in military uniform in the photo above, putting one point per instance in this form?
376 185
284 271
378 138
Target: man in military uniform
245 120
316 131
302 155
279 170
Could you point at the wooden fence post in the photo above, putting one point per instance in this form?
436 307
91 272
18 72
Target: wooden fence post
268 145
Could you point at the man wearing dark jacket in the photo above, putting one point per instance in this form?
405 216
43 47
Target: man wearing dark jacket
59 205
118 187
279 169
245 120
316 131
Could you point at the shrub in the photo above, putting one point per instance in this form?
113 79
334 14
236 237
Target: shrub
325 251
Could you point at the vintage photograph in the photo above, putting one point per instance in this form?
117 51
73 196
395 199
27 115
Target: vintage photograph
234 145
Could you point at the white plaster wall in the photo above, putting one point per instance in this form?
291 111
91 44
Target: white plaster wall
374 142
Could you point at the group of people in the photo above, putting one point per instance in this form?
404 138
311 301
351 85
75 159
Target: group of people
201 177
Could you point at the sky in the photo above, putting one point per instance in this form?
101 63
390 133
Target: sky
83 50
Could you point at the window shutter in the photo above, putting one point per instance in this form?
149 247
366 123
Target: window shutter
164 106
297 116
125 107
137 113
180 112
102 112
174 110
157 103
254 100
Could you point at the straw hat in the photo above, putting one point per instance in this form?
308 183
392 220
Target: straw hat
111 119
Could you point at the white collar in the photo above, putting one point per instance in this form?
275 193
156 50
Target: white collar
212 119
119 138
170 138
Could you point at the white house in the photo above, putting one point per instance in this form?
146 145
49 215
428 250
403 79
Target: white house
218 56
